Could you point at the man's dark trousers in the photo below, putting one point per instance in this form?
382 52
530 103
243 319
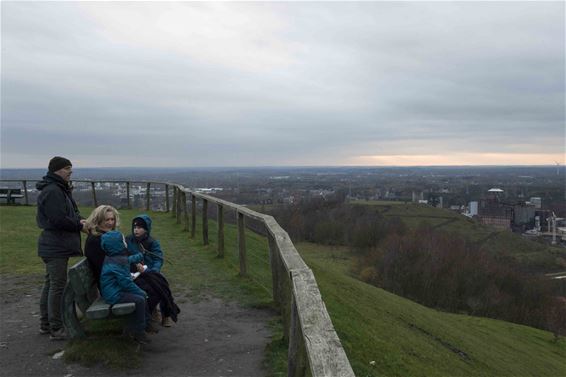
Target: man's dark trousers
50 304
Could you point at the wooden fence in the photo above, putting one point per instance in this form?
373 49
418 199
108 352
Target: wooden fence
314 346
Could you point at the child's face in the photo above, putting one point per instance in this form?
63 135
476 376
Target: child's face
139 231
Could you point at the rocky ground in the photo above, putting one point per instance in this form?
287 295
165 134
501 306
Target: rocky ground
211 338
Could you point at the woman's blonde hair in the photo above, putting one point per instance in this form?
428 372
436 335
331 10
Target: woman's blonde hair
97 217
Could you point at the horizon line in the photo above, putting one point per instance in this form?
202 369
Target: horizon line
293 166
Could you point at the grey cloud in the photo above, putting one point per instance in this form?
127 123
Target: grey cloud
362 78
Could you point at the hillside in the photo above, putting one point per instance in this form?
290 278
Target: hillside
339 221
408 339
531 255
383 334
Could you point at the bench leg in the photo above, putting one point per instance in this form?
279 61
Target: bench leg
70 319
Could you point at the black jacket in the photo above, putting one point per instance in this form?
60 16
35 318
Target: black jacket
158 292
59 217
95 255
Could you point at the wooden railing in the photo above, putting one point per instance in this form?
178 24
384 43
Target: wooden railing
128 184
314 345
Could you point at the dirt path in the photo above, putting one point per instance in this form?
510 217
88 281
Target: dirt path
212 338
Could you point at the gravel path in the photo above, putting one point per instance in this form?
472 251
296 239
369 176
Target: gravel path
212 338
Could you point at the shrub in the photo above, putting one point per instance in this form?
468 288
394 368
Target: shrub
369 275
443 271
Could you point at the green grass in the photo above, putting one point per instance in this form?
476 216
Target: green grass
196 273
105 345
402 337
408 339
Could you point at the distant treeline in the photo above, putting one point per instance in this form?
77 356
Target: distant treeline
427 265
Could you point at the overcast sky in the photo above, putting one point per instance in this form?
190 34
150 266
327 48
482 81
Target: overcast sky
257 84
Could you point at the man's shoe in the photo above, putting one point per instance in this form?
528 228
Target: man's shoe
141 338
44 330
58 334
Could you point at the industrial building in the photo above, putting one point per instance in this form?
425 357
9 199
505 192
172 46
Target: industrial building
493 211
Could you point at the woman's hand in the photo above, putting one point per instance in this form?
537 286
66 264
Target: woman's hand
139 267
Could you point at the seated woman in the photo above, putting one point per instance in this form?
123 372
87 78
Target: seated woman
102 219
106 218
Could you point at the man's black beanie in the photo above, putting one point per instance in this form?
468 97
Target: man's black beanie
57 163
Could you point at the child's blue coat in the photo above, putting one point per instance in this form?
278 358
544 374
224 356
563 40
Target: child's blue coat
153 262
115 277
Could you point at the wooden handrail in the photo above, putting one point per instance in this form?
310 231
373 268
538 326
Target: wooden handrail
313 342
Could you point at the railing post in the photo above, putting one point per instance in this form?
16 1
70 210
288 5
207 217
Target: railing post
220 223
173 212
94 194
205 222
296 360
148 196
26 200
274 263
178 206
185 211
242 244
167 197
128 194
193 215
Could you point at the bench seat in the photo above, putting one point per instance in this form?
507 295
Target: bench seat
81 292
100 309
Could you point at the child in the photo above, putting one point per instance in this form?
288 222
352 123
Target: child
140 241
117 286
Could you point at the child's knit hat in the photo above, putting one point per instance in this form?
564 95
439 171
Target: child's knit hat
140 223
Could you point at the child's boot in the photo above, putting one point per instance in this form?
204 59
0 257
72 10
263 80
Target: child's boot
151 327
156 315
167 322
142 338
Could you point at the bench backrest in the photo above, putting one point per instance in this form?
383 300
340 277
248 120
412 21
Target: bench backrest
83 283
10 191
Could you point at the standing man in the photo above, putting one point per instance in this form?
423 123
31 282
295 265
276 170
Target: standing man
60 220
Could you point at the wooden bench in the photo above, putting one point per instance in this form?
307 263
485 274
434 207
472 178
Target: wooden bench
11 194
81 291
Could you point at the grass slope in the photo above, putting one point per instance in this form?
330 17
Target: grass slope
408 339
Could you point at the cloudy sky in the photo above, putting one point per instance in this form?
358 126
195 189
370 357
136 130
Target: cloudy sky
258 84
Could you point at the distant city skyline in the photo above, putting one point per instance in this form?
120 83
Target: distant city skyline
198 84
